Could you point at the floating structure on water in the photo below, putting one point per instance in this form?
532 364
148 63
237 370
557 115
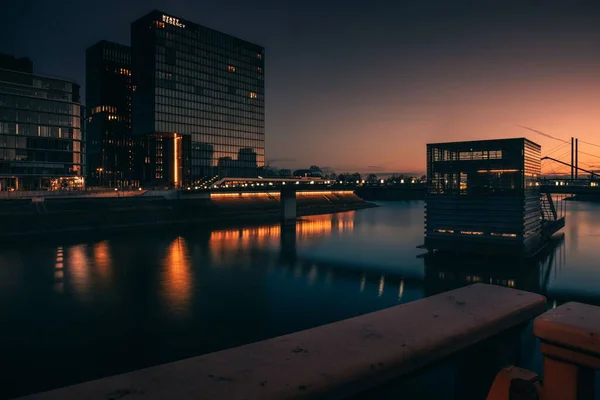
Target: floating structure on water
484 197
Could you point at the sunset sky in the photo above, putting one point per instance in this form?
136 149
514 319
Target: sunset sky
364 85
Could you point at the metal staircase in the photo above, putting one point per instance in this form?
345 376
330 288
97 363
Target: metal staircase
547 207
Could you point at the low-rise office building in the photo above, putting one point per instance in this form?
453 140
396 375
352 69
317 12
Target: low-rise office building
41 141
484 197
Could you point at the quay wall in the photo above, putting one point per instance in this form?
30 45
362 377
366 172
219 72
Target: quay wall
72 215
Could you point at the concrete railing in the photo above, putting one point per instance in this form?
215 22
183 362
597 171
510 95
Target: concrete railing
570 336
332 361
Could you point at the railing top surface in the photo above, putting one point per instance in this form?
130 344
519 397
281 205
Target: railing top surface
573 325
331 361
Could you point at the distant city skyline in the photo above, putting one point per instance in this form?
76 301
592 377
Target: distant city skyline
356 86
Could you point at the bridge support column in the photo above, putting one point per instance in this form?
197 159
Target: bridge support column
288 205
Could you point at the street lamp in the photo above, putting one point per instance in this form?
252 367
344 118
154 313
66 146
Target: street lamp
99 170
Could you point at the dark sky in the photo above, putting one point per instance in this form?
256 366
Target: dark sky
364 85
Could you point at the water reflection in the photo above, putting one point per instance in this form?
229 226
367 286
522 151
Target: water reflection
59 273
177 278
207 290
316 226
446 272
78 269
102 260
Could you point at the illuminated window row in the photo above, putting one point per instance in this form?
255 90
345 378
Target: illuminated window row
192 60
37 105
201 76
201 87
202 38
167 123
249 118
208 63
205 131
203 103
205 89
497 171
476 233
100 109
123 71
244 73
219 73
480 155
181 89
212 120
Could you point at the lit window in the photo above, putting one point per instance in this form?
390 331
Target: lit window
231 68
471 233
259 69
253 95
504 234
259 56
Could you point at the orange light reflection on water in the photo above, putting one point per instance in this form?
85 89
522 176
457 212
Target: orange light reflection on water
241 238
102 259
78 269
177 277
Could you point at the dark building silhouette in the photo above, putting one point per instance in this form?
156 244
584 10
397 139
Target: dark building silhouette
244 167
110 158
12 63
199 100
202 159
247 163
40 129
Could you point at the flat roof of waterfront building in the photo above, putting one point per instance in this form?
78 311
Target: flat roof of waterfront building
480 144
183 23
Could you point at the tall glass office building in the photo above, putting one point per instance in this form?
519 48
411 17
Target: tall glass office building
110 159
199 101
40 129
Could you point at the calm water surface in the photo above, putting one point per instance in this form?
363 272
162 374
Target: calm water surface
76 310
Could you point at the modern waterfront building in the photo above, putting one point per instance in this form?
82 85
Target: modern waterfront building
109 145
198 103
484 197
40 129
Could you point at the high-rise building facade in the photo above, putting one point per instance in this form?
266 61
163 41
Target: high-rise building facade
199 101
40 129
109 145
